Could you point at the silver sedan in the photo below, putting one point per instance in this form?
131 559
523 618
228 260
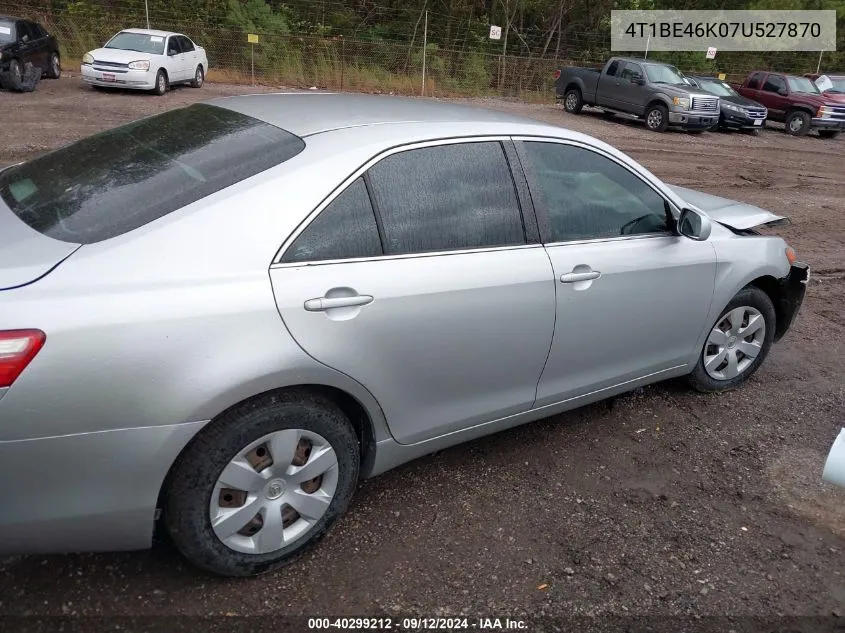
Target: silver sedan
221 317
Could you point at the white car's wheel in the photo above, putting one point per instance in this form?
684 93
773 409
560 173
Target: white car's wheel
199 77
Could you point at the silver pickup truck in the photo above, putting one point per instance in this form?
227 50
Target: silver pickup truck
653 91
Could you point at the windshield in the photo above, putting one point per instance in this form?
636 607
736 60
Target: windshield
660 74
801 84
116 181
7 32
720 88
140 42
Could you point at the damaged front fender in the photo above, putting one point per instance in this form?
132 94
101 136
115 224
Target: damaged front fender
731 213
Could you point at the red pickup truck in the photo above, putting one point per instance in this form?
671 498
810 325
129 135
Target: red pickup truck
797 102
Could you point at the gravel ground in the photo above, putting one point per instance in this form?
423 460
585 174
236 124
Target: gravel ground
664 503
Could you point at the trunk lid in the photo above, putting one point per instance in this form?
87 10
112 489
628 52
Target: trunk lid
737 215
25 254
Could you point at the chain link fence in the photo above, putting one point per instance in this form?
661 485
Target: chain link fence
348 64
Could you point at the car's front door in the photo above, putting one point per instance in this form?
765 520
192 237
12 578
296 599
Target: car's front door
175 60
776 102
632 295
630 92
423 281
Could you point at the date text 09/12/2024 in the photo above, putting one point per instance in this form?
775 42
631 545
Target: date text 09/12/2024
417 624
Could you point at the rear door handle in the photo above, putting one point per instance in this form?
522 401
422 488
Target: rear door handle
571 278
327 303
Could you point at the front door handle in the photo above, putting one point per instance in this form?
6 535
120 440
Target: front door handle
571 278
327 303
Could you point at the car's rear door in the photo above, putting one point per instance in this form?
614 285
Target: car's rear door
607 89
424 281
42 45
632 295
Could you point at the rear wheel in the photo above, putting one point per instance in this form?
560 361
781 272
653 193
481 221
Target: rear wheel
797 123
572 101
657 118
828 133
737 344
262 484
199 78
55 70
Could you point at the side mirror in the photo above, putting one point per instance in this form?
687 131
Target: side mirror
694 225
782 92
24 38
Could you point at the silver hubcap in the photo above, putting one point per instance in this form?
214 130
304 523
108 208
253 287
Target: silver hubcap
734 343
571 101
655 118
161 82
55 65
274 491
199 76
795 124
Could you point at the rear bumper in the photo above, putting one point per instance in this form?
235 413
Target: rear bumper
85 492
692 120
792 290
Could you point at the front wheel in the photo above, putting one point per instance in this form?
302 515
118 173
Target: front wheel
737 344
262 484
199 78
828 133
161 83
657 118
754 132
798 123
572 101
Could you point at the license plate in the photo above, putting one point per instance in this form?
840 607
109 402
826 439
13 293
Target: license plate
758 122
109 77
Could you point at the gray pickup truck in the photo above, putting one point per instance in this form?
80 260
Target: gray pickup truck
653 91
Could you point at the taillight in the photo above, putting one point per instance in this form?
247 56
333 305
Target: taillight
17 348
557 74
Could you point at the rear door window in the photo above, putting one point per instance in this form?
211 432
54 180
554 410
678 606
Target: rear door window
754 82
774 83
186 44
23 32
448 197
611 70
114 182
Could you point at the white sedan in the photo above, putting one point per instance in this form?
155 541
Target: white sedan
146 60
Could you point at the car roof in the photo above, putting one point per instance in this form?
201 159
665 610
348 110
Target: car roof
150 32
309 113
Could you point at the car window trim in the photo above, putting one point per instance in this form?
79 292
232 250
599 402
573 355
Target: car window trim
544 216
364 168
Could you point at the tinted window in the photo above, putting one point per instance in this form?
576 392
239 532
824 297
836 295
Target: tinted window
23 32
611 71
589 196
186 44
7 31
774 83
35 30
448 197
344 229
630 70
754 82
116 181
173 46
140 42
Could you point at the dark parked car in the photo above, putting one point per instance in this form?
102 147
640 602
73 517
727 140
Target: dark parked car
736 112
23 41
797 102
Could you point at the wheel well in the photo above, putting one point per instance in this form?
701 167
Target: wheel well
799 108
572 86
655 102
774 291
349 405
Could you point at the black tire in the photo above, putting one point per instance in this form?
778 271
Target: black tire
199 77
55 69
754 132
572 101
162 83
751 296
193 477
828 133
16 72
797 123
657 118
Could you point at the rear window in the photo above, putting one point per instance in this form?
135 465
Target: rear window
119 180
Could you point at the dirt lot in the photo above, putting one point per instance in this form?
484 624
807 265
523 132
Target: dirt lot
667 503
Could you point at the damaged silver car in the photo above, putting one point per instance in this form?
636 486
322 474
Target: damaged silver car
223 316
